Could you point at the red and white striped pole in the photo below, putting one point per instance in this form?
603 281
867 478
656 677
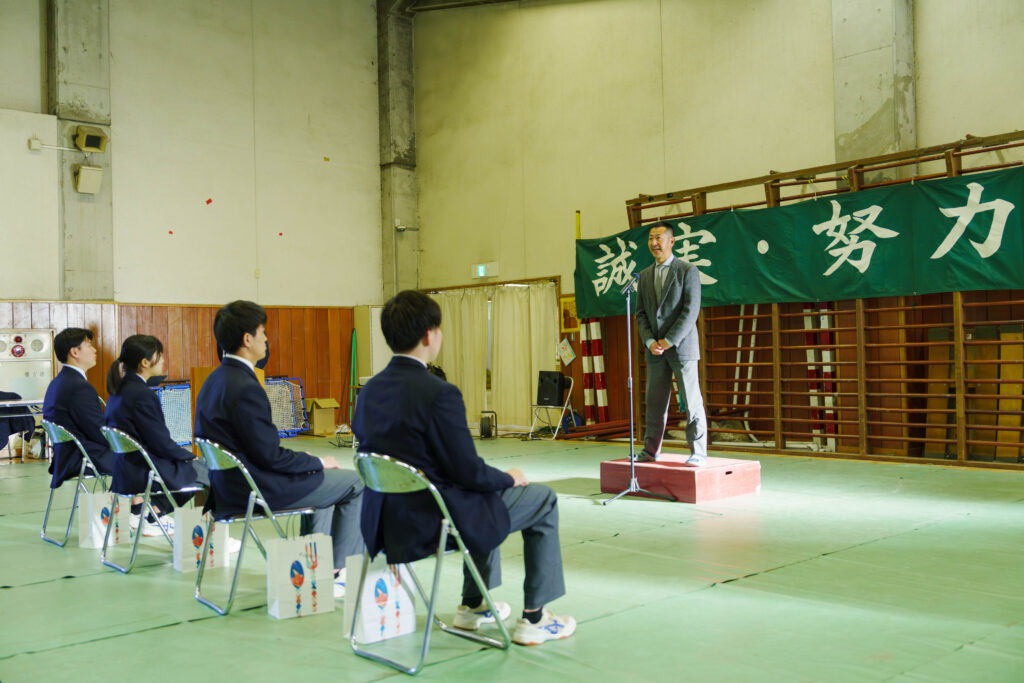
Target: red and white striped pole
600 377
589 408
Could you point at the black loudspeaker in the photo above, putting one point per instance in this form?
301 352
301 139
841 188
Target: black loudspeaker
488 424
550 388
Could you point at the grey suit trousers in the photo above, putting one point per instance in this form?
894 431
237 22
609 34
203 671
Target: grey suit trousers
533 510
660 370
338 501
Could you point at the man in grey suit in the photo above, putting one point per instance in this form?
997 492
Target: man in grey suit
666 316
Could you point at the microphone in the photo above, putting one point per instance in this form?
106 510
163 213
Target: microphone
634 281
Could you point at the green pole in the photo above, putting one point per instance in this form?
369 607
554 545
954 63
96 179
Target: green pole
352 380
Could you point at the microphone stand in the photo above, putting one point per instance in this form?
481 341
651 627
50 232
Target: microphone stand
634 485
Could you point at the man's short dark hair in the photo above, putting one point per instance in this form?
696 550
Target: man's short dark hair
406 317
236 319
662 224
68 339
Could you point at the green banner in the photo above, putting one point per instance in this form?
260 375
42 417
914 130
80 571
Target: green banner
951 234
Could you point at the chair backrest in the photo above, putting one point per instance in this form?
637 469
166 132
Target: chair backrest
119 441
123 444
221 459
58 434
384 474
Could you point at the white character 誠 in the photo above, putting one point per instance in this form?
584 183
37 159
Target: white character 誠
851 243
614 269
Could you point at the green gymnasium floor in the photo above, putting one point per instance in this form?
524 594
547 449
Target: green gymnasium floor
835 571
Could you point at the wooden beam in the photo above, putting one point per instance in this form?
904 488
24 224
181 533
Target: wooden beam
862 382
958 376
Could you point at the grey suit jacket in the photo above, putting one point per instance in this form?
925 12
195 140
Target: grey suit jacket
674 318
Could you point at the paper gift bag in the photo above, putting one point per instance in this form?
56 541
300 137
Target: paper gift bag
94 516
300 576
189 535
386 606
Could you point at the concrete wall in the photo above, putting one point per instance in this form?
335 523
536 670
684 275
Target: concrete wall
528 111
269 109
969 64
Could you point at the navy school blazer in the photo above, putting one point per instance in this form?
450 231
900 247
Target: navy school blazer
71 402
420 419
136 410
233 410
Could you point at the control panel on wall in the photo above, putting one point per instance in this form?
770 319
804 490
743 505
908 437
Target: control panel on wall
26 362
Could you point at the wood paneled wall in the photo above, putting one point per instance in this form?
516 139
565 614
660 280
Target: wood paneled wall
100 317
313 344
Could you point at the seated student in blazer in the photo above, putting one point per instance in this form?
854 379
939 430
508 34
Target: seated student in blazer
135 409
233 410
407 412
72 403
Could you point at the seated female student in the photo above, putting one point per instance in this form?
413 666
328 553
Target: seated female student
135 409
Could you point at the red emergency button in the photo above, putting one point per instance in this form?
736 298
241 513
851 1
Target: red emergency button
17 339
18 351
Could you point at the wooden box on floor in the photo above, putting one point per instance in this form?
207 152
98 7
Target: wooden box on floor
719 478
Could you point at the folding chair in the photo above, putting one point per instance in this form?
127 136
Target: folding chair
384 474
123 444
220 459
57 434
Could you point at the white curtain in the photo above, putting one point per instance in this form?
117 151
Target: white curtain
463 354
525 341
543 332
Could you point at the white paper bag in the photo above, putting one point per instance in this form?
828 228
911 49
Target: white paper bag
94 515
189 534
300 576
386 605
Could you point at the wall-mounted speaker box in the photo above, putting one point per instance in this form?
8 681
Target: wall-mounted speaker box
90 139
88 179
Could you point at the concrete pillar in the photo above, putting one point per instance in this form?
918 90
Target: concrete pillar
399 248
79 93
873 70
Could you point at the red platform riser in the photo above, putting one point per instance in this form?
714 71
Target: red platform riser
719 478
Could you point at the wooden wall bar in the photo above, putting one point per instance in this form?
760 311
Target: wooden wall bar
313 344
896 393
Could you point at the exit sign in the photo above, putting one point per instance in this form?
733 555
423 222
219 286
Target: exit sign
489 269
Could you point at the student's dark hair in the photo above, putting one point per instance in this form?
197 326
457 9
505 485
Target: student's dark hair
406 318
662 224
133 350
234 320
67 340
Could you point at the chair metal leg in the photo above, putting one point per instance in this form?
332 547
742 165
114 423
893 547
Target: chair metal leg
431 603
71 519
135 544
147 505
234 580
353 641
506 640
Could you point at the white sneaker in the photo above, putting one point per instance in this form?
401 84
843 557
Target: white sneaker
550 627
339 585
469 619
153 528
149 530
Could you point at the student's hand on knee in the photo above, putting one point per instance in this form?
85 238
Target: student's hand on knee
518 476
330 463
